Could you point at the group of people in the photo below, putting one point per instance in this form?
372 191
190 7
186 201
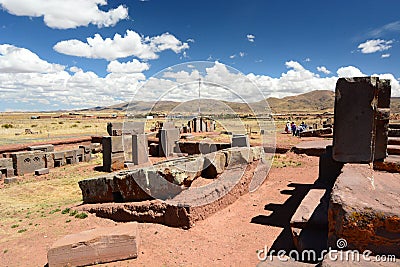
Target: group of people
294 129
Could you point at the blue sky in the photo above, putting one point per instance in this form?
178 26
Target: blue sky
55 53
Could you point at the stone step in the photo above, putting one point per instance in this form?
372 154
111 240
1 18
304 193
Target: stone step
394 141
394 132
389 164
393 150
394 125
313 210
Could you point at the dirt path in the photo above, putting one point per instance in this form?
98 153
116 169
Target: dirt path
230 237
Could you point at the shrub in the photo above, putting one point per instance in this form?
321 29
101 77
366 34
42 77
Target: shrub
7 126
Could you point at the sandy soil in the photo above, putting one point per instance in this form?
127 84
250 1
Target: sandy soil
230 237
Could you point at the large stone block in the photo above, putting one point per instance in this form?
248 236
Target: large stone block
364 210
238 155
357 120
6 163
240 140
97 189
44 148
87 156
214 164
28 162
168 141
99 245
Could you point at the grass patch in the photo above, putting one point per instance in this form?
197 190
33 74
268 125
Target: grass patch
21 231
7 126
81 215
14 225
65 211
54 211
73 213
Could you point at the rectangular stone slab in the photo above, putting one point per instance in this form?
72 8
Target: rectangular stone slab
95 246
355 103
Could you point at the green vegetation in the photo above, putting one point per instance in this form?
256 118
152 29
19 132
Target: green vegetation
81 215
7 126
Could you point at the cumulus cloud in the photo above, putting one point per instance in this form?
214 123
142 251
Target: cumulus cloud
133 66
251 38
349 71
67 14
20 60
76 88
323 69
377 45
131 44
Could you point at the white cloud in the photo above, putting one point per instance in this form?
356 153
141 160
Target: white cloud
190 40
372 46
251 38
18 60
385 55
390 27
232 56
242 54
307 59
323 69
133 66
67 14
131 44
349 71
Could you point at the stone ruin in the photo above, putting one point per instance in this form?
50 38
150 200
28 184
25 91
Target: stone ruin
199 124
350 200
39 159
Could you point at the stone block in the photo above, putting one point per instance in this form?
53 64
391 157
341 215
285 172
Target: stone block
99 245
28 162
240 140
44 148
237 156
168 139
98 189
214 164
10 180
58 159
357 117
123 128
364 210
70 156
49 160
139 149
329 169
87 153
6 163
42 171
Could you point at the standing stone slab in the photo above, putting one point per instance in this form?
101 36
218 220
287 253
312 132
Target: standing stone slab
139 149
95 246
382 119
355 102
168 140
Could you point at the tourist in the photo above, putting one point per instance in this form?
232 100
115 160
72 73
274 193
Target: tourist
293 128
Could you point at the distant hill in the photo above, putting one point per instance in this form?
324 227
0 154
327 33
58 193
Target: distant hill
314 101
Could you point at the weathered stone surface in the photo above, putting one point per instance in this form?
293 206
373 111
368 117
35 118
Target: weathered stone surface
139 149
394 141
238 155
6 163
393 150
361 119
97 189
42 171
390 164
316 132
113 153
168 141
28 162
99 245
364 209
240 140
44 148
394 132
306 209
312 148
87 156
214 164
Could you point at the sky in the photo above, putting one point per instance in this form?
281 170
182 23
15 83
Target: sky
68 54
